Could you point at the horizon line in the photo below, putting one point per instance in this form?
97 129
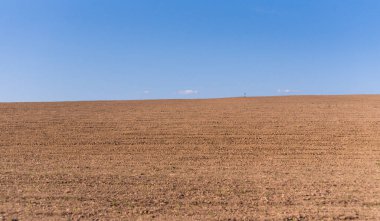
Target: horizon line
173 99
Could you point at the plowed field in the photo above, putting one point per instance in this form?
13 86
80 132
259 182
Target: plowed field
272 158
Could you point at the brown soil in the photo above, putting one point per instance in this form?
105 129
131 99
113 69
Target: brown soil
272 158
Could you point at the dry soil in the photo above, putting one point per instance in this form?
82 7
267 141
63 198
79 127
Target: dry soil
265 158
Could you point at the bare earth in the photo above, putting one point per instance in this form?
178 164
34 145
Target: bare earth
266 158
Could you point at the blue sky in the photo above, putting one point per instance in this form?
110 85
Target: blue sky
153 49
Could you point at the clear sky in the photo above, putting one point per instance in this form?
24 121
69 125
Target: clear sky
148 49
